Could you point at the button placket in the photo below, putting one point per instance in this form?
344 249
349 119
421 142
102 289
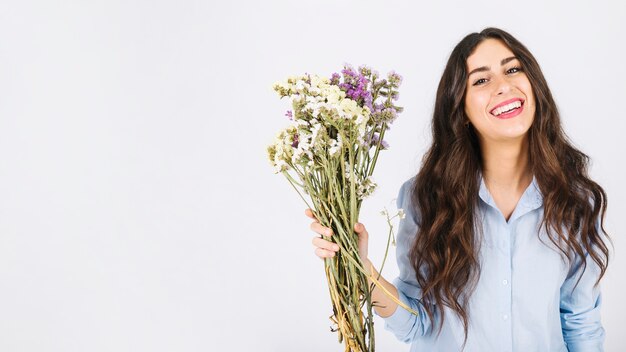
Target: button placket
506 287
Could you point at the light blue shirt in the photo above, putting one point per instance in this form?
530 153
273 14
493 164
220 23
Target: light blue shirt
523 300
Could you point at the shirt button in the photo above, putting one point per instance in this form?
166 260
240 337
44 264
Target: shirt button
504 282
505 317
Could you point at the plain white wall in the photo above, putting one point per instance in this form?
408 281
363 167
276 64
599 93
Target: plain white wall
138 211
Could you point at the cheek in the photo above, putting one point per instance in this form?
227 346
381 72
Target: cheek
531 103
475 107
528 90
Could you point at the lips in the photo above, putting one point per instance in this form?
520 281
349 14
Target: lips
505 103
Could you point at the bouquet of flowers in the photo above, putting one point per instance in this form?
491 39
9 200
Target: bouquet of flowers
329 152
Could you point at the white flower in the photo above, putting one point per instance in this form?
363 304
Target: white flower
296 99
349 108
315 132
349 174
361 122
401 213
312 99
280 166
280 152
282 85
314 108
317 81
303 155
333 95
335 145
366 188
332 98
300 85
297 155
304 142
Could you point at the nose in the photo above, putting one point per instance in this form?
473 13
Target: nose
502 85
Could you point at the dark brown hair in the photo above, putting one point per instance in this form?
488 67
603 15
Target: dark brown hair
445 252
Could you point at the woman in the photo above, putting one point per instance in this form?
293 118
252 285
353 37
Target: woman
502 247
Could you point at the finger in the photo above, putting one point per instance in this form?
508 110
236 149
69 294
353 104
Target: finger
321 229
323 244
308 212
322 253
360 228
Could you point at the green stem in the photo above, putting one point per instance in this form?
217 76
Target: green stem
382 265
380 141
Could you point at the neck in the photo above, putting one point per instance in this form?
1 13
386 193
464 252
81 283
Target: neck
505 165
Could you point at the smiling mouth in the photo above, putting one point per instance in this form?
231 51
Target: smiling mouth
507 109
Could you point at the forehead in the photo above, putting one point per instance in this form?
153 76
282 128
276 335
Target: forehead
488 53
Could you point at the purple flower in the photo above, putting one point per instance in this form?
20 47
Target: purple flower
359 85
355 85
349 75
368 101
348 71
289 114
295 141
394 78
352 94
383 144
390 115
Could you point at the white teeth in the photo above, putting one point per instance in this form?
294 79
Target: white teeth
514 105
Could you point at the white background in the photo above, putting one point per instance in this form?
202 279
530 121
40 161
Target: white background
138 211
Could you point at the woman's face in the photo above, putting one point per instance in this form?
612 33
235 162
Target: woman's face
496 84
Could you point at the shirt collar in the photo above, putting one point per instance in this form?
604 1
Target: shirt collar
531 198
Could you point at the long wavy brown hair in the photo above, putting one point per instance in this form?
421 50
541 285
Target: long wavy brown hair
445 252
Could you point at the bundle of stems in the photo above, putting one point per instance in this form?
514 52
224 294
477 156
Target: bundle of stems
332 154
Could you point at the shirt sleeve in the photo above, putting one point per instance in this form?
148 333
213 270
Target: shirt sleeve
580 309
405 325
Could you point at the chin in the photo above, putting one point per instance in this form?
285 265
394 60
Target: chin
513 135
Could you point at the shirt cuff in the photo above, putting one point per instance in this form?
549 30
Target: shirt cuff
585 346
401 322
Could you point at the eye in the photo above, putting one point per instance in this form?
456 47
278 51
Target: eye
518 69
478 81
515 69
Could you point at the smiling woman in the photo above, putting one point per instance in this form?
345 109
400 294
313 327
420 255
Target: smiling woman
503 243
499 99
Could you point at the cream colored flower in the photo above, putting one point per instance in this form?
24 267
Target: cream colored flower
335 145
349 108
366 188
319 82
334 95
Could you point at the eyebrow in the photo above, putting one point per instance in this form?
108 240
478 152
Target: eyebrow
485 68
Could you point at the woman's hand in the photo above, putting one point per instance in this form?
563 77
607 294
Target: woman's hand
327 249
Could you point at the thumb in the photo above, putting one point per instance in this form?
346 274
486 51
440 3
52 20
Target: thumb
360 228
363 239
